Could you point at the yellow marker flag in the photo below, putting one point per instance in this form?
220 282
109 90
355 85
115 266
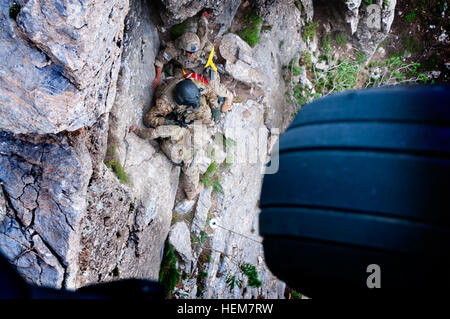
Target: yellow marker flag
210 61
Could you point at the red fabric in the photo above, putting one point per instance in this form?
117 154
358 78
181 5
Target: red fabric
195 76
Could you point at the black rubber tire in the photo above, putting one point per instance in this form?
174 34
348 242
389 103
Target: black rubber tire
364 178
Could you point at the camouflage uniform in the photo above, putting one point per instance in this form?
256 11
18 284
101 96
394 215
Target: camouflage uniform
199 25
179 146
177 142
164 105
174 51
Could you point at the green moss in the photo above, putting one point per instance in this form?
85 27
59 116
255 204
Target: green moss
169 275
207 178
360 57
217 187
294 67
412 45
211 178
251 32
178 30
14 10
411 16
202 237
175 218
118 170
249 270
194 239
341 39
110 150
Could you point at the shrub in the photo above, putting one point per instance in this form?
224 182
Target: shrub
395 71
169 276
341 39
252 275
231 282
309 31
251 32
361 57
346 75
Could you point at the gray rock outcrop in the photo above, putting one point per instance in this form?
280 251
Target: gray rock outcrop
180 238
67 220
176 11
61 64
201 212
44 182
373 24
130 222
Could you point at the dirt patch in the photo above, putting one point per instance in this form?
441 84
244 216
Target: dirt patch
420 33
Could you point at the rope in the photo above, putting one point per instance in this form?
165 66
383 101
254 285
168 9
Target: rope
239 234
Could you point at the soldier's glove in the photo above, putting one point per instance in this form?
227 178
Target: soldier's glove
216 114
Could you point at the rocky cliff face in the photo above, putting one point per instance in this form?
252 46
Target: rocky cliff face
59 75
74 77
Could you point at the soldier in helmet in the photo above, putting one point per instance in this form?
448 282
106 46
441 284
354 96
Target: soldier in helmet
180 97
198 24
187 50
193 101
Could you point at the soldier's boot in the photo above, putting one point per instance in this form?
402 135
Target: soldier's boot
199 190
228 103
191 178
145 133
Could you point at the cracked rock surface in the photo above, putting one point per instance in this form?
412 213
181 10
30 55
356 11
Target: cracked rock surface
59 63
44 181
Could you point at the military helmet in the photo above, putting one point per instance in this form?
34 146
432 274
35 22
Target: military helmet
187 93
189 42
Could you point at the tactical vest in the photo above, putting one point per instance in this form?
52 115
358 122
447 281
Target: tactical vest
166 92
